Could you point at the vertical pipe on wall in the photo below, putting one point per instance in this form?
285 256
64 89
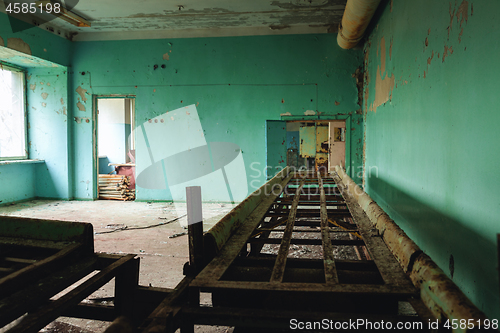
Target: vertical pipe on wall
357 16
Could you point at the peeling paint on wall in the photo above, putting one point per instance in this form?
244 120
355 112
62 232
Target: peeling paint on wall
78 120
1 42
44 104
80 106
309 113
33 87
383 87
430 59
44 95
446 50
462 12
62 101
19 45
166 56
82 92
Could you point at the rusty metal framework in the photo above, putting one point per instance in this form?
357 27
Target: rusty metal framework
305 246
306 251
40 259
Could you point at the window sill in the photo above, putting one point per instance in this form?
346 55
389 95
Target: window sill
21 162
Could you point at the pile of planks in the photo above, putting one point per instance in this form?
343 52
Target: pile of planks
115 187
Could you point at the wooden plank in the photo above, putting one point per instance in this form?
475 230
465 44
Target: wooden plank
34 321
216 268
328 259
389 268
20 277
279 266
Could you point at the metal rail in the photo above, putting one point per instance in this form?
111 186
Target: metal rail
267 265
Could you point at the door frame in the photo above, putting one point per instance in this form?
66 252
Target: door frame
95 137
346 117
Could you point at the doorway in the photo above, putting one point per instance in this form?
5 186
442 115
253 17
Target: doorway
316 145
115 146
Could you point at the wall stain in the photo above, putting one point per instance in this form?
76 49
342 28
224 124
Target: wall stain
78 120
358 75
452 15
446 50
81 92
366 76
80 106
462 12
62 101
385 86
430 58
19 45
1 42
390 49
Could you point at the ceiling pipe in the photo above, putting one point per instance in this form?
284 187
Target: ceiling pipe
357 16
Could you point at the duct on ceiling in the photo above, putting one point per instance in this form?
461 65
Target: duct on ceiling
357 16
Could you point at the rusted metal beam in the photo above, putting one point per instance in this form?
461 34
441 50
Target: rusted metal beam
34 321
217 236
308 241
438 292
329 261
279 267
34 294
29 273
216 268
393 290
165 317
388 266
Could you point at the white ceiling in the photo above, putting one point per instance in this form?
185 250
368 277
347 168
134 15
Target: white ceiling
137 19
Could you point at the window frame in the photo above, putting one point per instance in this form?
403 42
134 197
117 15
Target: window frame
18 69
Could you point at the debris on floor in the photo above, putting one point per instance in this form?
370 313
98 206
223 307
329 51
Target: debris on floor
178 234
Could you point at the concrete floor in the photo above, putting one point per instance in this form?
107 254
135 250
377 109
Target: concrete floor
162 258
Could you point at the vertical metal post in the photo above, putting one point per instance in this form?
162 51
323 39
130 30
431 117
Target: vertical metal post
195 228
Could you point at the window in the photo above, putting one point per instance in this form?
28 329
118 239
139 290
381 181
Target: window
12 114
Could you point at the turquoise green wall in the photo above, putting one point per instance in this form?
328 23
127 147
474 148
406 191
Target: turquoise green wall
49 136
42 44
48 130
236 84
435 140
17 182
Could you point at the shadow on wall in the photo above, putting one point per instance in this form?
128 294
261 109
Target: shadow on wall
467 257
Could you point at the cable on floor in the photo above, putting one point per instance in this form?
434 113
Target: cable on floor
136 228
